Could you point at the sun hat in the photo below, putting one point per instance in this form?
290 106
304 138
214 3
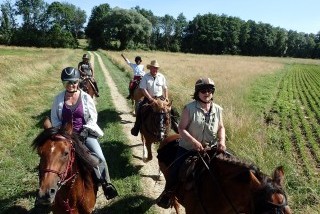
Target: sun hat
153 63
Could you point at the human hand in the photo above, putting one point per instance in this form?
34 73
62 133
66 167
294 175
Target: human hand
197 146
221 147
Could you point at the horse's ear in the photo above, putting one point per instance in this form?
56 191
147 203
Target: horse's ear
278 176
47 123
255 183
68 128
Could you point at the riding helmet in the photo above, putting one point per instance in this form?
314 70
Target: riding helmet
85 56
70 74
204 83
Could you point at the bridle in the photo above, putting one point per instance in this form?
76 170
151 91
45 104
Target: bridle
265 208
269 206
64 174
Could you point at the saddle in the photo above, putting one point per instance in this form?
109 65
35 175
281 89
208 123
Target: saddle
191 171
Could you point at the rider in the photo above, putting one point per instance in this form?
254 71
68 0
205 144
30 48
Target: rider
86 70
138 73
200 126
76 106
153 85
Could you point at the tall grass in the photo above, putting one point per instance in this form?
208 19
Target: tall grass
247 88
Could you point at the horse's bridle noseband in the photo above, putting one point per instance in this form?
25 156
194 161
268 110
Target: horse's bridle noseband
63 175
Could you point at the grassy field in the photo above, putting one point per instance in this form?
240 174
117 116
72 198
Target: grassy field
271 113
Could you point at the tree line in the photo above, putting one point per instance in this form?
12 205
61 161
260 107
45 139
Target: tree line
61 24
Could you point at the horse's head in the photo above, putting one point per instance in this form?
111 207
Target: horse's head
269 196
161 117
56 151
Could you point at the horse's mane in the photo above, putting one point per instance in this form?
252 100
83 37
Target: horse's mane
82 153
235 161
43 136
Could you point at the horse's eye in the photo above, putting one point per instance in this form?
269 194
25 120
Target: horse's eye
65 154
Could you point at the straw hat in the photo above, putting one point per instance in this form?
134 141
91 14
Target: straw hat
153 63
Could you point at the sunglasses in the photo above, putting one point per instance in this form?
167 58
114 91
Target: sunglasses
203 91
70 82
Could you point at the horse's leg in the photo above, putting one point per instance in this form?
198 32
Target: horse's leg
176 205
144 150
149 145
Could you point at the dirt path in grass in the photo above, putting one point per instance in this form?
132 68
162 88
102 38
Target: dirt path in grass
149 172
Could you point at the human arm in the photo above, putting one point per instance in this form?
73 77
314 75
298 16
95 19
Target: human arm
54 114
147 95
221 146
125 59
80 69
91 67
184 123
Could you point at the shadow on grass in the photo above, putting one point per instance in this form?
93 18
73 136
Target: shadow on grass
41 117
130 204
7 206
137 204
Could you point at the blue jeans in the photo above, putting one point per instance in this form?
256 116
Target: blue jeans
101 170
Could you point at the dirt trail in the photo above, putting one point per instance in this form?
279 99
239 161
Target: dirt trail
149 173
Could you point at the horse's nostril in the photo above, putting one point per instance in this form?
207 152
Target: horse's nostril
52 191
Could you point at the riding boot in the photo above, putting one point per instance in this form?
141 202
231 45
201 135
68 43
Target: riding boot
130 94
165 199
136 128
109 190
174 115
96 88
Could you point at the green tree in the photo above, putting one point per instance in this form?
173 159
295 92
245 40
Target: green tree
8 22
94 30
127 27
154 20
67 16
204 35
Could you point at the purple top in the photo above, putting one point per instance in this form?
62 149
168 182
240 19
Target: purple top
75 114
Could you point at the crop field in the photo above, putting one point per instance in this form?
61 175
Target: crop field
271 113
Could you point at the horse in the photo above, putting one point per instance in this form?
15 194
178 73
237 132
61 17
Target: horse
136 97
66 180
222 184
87 86
155 124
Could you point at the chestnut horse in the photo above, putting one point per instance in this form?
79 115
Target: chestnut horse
136 98
222 184
65 173
155 124
87 86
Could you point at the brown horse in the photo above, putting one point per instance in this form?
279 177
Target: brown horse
87 86
65 177
155 124
222 184
136 98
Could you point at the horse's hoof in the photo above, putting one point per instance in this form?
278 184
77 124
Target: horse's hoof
145 160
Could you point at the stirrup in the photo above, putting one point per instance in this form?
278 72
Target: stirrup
109 191
164 200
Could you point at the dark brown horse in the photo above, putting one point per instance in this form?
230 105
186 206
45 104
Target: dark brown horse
87 86
65 177
155 125
223 184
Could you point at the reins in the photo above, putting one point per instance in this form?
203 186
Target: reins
212 173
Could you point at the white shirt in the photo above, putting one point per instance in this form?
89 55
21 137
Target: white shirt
137 69
154 85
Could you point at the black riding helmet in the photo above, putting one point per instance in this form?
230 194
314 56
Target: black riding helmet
85 56
203 83
70 74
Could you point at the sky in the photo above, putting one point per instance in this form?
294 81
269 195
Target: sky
298 15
